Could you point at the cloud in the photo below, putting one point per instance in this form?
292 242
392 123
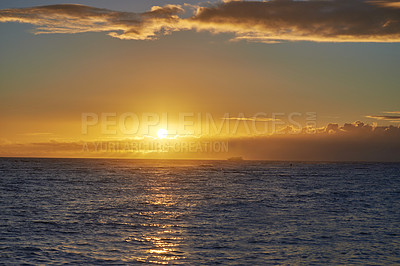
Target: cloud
320 21
349 142
266 21
356 141
393 4
392 116
384 117
254 119
72 18
392 112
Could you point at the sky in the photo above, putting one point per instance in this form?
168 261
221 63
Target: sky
283 66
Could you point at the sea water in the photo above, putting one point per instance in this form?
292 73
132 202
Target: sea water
99 211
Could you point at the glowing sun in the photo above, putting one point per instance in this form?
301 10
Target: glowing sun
162 133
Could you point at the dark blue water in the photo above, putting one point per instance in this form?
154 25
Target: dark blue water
56 211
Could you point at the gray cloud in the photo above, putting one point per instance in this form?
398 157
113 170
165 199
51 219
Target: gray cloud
350 142
361 129
70 18
321 21
267 21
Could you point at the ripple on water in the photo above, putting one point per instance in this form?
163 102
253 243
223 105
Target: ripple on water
57 211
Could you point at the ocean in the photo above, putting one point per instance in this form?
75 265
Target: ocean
101 211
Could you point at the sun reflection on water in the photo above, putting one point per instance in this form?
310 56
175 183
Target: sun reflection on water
159 239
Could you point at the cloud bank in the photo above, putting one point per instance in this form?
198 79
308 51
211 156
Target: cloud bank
350 142
267 21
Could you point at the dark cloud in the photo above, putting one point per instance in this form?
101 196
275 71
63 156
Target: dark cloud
268 21
350 142
321 21
71 18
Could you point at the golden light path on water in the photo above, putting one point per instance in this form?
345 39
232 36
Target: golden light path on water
162 240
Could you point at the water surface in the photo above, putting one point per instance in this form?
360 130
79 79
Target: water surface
56 211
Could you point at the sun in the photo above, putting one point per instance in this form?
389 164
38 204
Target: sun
162 133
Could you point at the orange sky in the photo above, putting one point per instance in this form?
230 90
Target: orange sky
225 61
